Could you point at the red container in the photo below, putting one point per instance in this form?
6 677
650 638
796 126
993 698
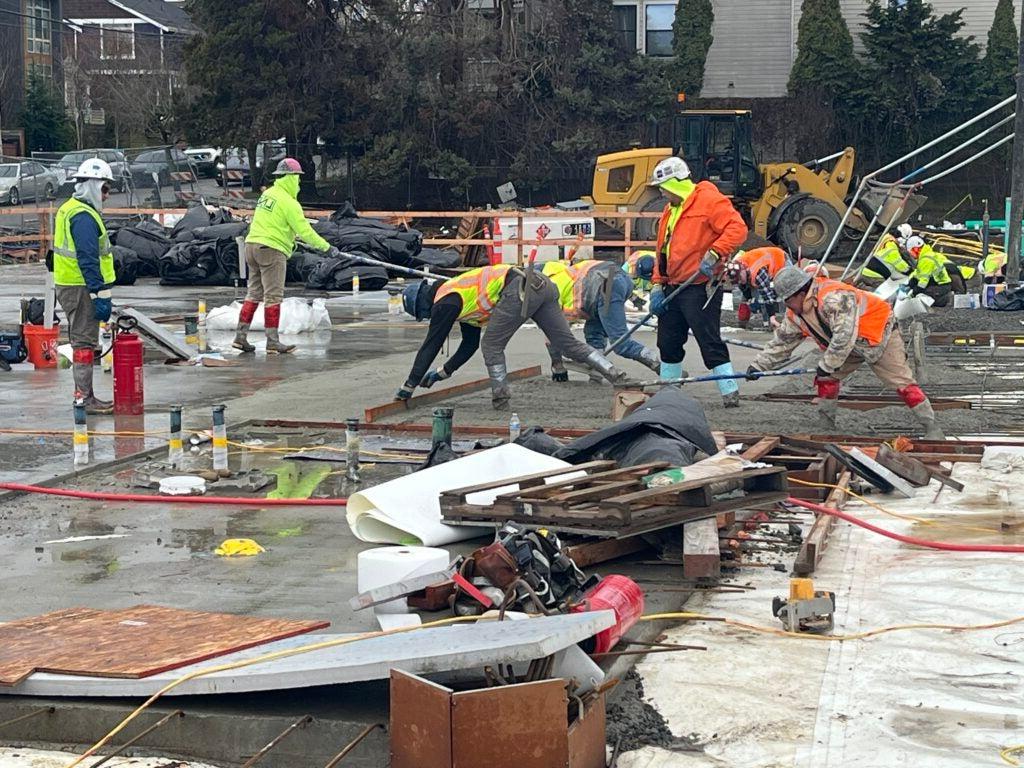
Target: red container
619 594
128 397
41 344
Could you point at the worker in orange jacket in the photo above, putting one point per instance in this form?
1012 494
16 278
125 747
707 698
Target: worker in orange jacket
752 272
699 228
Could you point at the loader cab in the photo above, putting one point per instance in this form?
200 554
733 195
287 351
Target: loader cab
717 146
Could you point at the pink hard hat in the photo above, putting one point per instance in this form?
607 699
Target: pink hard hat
287 166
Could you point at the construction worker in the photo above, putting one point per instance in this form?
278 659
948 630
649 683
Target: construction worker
752 272
640 268
889 259
993 266
276 222
698 228
852 327
502 298
83 272
596 291
935 275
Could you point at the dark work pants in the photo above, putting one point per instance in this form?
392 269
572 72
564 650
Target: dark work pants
684 315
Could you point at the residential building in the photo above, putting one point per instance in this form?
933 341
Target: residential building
755 42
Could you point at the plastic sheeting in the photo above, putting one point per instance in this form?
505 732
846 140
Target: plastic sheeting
407 511
297 316
934 698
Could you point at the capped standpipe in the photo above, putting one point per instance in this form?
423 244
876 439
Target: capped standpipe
220 442
80 440
352 448
442 429
175 453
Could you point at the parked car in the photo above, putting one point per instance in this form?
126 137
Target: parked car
162 162
205 159
237 159
114 157
27 180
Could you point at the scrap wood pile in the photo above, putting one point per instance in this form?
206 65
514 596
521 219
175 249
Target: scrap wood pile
201 249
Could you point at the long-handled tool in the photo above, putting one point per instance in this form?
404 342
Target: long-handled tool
387 265
713 377
642 321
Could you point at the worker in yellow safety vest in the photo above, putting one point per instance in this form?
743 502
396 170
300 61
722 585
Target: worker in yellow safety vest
596 292
640 268
935 275
993 266
499 298
889 259
83 272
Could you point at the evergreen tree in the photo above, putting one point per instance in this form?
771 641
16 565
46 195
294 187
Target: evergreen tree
691 40
825 62
999 66
46 125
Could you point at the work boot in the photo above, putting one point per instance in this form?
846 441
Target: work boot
650 359
827 409
727 388
82 373
96 407
731 400
926 418
500 393
594 376
604 366
241 342
274 345
671 371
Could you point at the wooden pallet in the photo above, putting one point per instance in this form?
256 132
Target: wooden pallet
612 502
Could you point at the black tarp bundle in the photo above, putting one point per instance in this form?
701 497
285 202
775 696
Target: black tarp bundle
324 273
149 241
126 265
1008 301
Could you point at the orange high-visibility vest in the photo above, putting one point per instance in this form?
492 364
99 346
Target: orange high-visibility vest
874 312
480 290
771 258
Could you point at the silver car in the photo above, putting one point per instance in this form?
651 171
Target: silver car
27 180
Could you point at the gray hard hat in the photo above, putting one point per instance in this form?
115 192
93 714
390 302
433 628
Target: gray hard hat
790 280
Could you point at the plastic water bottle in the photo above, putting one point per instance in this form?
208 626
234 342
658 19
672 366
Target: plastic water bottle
394 304
106 343
355 285
514 427
201 325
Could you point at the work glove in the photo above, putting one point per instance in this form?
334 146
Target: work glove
430 378
708 264
102 305
333 252
638 302
560 376
752 373
405 392
826 384
657 300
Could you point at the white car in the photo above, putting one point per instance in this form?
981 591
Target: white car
27 180
205 159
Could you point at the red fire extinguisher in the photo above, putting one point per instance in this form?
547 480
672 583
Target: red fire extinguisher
128 393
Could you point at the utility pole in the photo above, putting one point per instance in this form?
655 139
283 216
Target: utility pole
1017 173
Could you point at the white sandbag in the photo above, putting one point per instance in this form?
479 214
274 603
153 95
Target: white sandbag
406 510
297 316
1003 458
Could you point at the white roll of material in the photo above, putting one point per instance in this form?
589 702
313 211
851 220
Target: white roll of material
386 565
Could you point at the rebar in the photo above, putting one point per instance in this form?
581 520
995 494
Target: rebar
353 744
305 719
36 713
142 734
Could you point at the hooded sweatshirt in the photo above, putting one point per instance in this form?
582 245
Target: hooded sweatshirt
279 219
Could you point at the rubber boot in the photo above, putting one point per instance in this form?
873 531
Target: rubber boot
500 393
728 388
650 359
241 342
83 387
926 418
274 345
827 409
558 371
594 376
670 371
604 366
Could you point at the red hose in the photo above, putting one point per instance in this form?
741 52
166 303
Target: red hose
230 500
948 546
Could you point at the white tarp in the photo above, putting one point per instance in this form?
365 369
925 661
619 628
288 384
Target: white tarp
407 511
297 316
935 698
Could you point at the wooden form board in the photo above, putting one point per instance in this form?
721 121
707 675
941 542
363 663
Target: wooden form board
130 643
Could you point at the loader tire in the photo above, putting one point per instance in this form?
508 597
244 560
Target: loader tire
807 227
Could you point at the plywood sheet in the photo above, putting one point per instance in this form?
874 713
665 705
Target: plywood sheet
130 643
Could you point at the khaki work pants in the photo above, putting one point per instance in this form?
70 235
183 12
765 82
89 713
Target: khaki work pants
891 368
267 269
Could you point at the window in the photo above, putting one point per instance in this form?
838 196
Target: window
40 71
38 25
626 26
117 41
620 179
658 19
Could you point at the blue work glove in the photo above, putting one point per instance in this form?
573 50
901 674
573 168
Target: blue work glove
102 305
405 392
657 299
708 264
430 378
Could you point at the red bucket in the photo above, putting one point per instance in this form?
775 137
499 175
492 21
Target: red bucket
41 343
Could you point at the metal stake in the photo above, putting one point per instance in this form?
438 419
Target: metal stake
353 744
142 734
305 719
48 710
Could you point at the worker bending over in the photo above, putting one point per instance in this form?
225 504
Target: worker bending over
752 272
698 228
596 291
853 327
640 268
501 298
935 275
889 260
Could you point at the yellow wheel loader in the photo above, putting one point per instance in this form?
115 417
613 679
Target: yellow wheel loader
797 206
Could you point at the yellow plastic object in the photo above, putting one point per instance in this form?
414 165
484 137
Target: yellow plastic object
238 548
801 589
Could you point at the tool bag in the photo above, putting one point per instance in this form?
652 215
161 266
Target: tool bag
12 347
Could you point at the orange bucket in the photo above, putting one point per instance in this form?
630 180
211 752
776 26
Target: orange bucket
41 343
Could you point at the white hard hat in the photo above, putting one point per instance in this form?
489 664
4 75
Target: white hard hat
914 242
905 230
669 168
94 169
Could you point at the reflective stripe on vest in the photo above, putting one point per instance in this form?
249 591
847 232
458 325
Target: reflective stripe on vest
65 257
873 313
480 289
582 268
931 267
772 259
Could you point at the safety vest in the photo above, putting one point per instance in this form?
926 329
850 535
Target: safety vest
931 267
992 265
888 252
874 313
65 257
770 258
570 283
480 289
